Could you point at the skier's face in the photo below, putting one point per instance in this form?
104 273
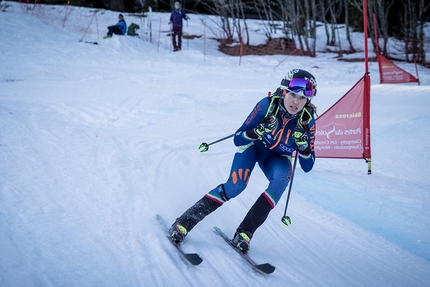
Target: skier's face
294 103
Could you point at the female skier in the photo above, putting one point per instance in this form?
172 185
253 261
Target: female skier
277 126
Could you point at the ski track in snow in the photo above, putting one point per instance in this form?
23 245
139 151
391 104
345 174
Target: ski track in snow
97 139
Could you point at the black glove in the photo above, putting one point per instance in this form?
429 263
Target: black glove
301 137
267 125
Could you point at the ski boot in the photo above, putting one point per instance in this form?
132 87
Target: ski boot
242 240
177 233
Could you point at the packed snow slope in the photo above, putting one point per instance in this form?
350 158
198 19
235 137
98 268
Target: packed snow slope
97 139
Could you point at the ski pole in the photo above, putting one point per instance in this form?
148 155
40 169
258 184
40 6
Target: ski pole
203 147
286 219
303 124
188 37
88 26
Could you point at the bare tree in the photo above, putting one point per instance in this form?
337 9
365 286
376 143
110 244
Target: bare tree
413 29
422 9
322 7
347 24
241 15
230 14
287 25
333 22
310 10
313 25
264 11
382 9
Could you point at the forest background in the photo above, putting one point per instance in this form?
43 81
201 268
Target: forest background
401 21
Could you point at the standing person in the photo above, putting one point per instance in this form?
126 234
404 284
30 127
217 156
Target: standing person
276 127
176 19
119 28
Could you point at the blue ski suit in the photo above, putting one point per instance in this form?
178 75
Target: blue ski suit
123 26
119 28
272 153
176 17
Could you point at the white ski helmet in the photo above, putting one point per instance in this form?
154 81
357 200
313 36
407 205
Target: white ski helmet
300 82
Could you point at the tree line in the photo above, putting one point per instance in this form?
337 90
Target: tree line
401 21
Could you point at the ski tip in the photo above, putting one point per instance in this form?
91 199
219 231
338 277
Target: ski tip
193 258
265 268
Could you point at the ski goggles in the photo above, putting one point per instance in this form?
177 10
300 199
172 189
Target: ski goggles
298 85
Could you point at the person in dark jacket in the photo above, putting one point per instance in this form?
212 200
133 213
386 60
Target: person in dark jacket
278 125
176 19
119 28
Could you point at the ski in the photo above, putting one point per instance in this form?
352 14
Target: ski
88 42
264 268
191 258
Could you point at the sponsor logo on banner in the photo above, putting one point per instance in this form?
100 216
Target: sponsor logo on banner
340 131
338 137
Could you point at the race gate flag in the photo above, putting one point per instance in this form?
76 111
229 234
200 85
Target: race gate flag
389 73
343 131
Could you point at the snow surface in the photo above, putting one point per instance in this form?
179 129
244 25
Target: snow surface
97 139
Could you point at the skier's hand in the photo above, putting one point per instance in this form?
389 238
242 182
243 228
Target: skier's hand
267 125
300 135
